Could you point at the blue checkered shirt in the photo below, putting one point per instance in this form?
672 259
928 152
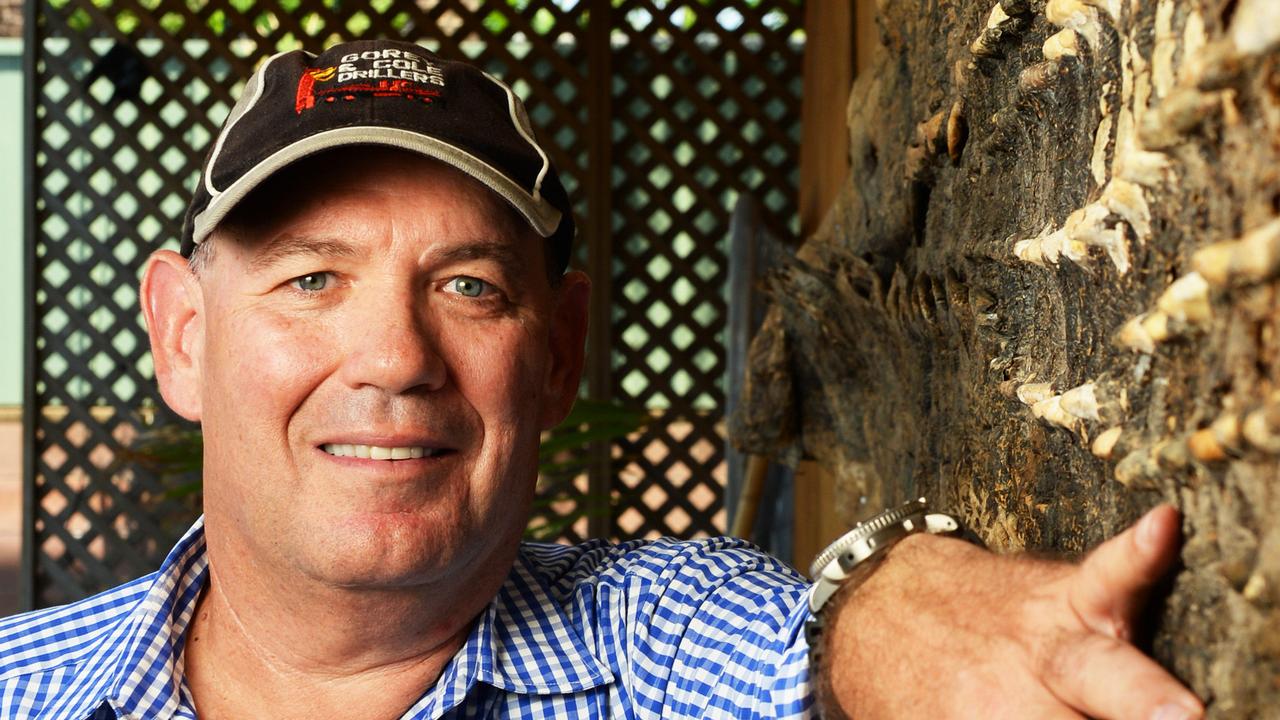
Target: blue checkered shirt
664 629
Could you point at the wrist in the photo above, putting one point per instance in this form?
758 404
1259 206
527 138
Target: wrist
831 669
845 565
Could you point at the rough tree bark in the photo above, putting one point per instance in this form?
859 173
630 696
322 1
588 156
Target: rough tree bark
1047 299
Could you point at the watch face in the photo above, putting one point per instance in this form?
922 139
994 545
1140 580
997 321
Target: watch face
864 532
835 566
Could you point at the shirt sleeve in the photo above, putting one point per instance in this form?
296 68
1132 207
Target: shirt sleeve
715 629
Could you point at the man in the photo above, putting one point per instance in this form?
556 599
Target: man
372 320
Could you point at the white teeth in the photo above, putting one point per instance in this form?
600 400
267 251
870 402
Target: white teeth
377 452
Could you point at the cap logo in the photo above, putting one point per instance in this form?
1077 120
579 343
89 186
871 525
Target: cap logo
379 93
377 73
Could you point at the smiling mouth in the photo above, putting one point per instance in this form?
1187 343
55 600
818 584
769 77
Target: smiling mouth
378 452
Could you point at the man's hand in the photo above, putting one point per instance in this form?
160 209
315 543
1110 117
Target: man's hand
943 629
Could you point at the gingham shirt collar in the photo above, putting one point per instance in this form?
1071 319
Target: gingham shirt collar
522 643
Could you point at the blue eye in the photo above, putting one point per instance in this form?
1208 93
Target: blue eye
468 286
311 282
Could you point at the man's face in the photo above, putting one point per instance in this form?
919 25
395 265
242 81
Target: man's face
395 307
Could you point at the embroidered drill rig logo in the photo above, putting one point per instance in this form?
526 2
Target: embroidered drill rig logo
376 73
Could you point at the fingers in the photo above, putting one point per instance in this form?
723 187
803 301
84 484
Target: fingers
1110 586
1100 673
1109 678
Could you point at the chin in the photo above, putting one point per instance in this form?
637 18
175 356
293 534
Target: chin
396 550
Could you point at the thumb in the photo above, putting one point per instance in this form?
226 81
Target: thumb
1110 586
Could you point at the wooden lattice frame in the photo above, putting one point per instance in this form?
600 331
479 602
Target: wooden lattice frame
668 81
125 95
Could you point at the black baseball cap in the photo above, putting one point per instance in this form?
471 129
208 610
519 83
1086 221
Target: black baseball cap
386 93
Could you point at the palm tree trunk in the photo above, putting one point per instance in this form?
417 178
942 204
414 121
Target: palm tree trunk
1046 299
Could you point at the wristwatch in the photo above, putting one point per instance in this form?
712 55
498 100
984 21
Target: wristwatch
858 552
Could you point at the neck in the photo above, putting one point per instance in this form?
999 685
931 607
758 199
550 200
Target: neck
283 646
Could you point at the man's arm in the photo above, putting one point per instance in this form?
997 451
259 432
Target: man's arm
945 629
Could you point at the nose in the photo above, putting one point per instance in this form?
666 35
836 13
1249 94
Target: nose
391 347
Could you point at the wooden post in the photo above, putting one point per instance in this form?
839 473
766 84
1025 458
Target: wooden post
599 235
817 523
824 165
865 37
744 519
824 139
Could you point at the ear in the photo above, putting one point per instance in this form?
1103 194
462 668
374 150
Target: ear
568 339
173 306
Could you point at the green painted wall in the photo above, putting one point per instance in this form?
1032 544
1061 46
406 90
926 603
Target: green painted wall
12 207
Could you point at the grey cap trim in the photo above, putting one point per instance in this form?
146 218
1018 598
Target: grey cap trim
521 122
544 218
250 96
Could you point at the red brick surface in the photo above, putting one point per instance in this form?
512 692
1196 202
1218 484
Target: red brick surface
10 513
10 18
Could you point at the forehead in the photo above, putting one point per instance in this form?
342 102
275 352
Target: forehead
344 189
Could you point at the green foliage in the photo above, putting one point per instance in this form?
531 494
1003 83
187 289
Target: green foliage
562 457
589 421
176 454
543 21
495 22
683 14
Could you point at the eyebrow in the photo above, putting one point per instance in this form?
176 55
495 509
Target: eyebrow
503 254
286 246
